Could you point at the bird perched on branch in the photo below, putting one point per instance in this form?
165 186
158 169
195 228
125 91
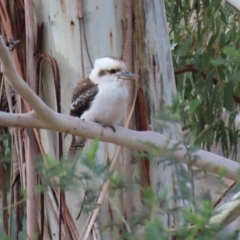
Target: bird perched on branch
101 98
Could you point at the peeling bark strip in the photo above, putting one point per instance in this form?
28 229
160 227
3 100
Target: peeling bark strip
128 59
143 108
31 144
154 61
142 125
3 185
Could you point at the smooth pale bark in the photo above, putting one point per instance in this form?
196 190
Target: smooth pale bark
235 3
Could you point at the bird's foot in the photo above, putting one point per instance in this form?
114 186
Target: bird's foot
105 126
110 126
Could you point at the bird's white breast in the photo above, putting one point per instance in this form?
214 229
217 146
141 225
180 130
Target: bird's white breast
109 105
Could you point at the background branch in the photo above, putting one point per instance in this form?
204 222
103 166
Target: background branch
193 69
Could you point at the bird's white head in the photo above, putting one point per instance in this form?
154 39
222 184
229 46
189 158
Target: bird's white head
109 69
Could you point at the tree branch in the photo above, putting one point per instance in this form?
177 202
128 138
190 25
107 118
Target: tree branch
17 83
45 118
193 69
124 137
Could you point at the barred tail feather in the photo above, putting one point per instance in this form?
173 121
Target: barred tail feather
76 147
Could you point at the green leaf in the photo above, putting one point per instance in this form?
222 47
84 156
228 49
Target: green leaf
231 51
220 61
154 230
3 236
51 163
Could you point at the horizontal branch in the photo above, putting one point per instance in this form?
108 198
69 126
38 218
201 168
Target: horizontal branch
45 118
124 137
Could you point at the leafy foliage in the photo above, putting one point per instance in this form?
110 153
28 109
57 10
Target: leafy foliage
205 37
146 222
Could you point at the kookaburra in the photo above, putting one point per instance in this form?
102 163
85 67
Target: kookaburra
101 98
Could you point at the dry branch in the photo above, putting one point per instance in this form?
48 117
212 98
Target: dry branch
45 118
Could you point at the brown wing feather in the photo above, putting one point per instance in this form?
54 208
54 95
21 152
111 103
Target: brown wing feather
83 95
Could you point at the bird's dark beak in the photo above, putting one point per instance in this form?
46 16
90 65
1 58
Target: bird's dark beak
127 75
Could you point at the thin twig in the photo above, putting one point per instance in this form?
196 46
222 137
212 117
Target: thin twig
219 199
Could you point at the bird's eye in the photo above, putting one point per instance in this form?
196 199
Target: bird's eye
112 71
